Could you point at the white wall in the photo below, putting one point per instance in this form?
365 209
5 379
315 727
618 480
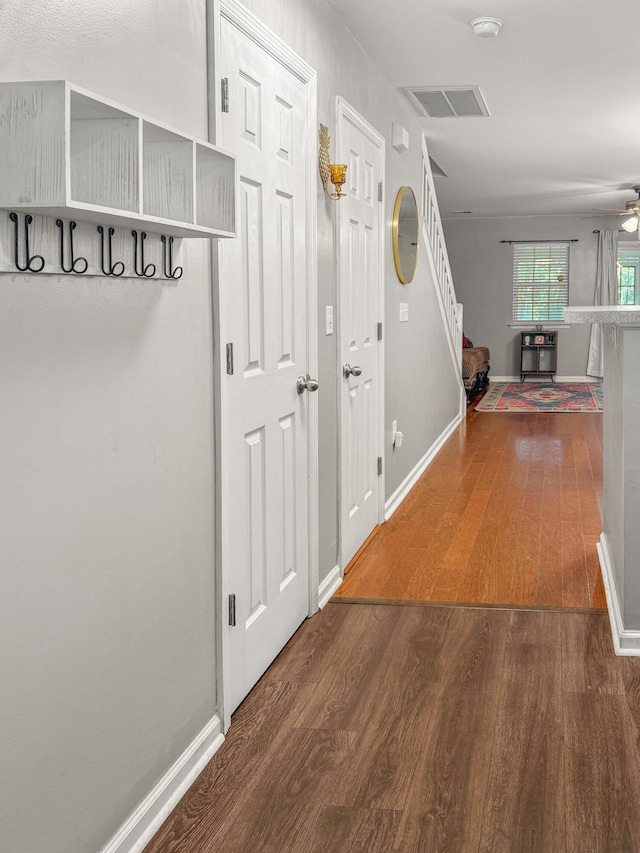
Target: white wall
106 549
482 269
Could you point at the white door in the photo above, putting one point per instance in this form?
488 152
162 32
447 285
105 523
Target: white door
360 276
264 301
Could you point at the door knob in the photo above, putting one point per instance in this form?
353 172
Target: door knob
348 371
306 383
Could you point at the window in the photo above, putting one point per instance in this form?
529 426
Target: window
628 276
540 281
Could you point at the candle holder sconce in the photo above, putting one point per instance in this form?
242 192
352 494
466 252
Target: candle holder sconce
334 172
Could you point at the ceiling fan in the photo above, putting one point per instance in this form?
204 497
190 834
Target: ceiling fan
631 210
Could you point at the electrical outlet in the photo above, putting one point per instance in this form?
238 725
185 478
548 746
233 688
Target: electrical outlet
328 321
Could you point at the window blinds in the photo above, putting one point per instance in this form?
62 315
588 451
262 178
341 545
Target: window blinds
540 281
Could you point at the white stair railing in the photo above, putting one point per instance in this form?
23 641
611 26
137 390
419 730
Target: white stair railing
433 238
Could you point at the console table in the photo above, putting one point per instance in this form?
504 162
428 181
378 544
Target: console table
619 546
538 353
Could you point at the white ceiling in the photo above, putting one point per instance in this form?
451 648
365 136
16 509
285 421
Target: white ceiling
562 84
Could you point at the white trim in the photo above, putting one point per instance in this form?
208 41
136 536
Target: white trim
548 327
312 340
256 29
329 585
143 823
344 112
590 379
414 475
626 643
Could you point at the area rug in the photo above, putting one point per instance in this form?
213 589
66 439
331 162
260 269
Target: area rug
542 397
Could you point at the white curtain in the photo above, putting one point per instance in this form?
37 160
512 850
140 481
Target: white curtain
606 293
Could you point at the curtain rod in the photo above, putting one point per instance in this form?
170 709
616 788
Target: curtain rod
575 240
619 230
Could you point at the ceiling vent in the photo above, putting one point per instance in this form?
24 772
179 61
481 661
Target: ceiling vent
449 102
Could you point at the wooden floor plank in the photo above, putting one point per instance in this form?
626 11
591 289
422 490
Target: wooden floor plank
380 775
538 627
505 514
575 586
348 830
526 746
345 691
466 733
294 786
262 726
597 597
448 791
587 665
602 780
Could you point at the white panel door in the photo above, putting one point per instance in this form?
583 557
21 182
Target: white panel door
264 314
359 277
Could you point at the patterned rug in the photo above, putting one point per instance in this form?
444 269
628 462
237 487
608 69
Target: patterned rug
542 397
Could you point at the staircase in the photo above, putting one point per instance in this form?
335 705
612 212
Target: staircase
433 238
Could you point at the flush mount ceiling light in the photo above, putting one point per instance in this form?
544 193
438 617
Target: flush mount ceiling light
486 27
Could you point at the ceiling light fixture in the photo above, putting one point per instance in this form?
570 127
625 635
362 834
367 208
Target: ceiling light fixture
630 224
486 27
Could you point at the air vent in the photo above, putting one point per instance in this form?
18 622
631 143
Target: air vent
450 102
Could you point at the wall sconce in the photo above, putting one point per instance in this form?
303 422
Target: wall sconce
334 172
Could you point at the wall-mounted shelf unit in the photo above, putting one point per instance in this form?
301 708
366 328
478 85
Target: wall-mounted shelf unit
67 152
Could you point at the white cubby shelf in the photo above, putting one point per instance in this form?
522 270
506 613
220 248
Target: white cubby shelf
69 153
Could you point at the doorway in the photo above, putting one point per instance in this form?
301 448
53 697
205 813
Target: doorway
360 279
267 318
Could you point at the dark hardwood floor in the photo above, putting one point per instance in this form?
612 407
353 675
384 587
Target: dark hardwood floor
507 513
447 728
438 729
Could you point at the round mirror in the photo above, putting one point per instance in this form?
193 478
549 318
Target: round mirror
405 234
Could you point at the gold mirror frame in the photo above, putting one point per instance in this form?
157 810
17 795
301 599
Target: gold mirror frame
404 234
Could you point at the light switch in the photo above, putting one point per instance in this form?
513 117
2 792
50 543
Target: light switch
404 312
328 322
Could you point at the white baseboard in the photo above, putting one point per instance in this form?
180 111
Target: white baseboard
625 642
493 378
414 475
329 585
143 823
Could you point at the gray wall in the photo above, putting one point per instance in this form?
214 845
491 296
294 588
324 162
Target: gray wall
106 617
622 468
421 392
482 269
613 505
106 544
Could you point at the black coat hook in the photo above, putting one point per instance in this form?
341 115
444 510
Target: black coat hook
111 268
76 263
167 249
148 270
29 259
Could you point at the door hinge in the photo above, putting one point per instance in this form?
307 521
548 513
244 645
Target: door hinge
224 94
232 610
230 359
379 465
380 191
379 331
